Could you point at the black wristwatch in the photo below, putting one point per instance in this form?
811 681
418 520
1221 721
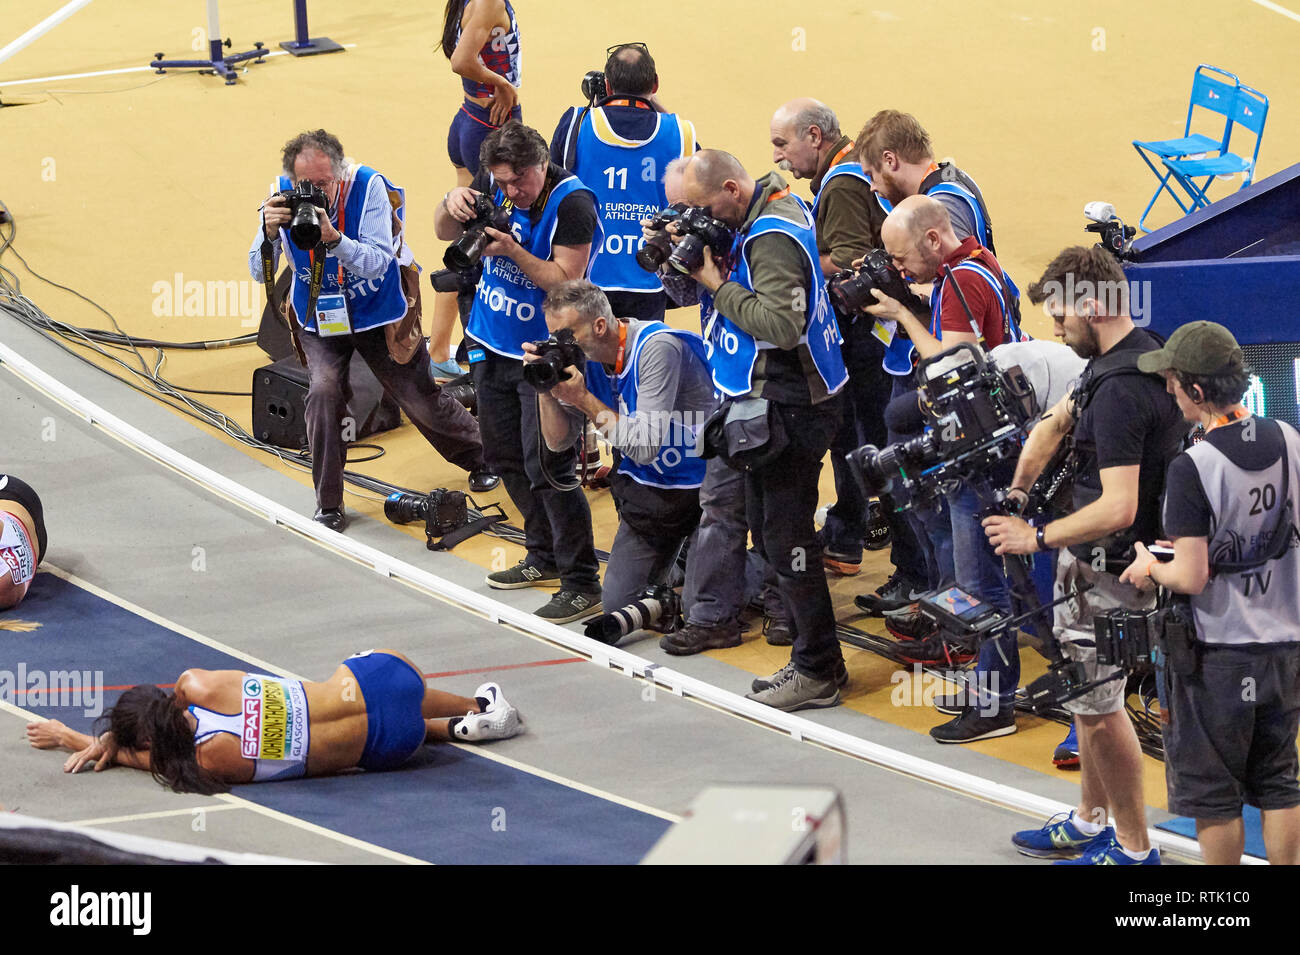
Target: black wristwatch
331 246
1038 536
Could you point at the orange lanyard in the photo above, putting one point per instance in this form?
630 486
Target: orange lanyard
839 156
637 104
622 348
340 232
1235 414
779 194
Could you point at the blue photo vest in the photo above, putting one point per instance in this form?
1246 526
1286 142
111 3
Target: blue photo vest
1010 330
855 170
732 350
371 302
627 177
507 305
678 463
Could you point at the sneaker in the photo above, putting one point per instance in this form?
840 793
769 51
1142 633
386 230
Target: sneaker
897 593
445 370
522 574
878 535
696 638
760 683
795 691
970 726
911 626
933 650
1067 754
499 720
1058 839
837 560
1109 852
569 605
776 630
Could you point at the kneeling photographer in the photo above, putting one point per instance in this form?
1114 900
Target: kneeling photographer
647 389
1124 428
1230 697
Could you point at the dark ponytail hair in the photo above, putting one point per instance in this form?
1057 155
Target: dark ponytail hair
146 719
451 26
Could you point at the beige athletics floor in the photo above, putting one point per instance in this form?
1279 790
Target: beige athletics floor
129 186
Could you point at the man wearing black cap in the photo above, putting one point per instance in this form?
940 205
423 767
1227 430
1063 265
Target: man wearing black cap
1125 429
1229 696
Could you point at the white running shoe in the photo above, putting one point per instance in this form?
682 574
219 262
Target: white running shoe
499 721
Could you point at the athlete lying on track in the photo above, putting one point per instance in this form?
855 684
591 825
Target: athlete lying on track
220 727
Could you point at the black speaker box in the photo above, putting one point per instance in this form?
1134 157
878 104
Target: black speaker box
280 403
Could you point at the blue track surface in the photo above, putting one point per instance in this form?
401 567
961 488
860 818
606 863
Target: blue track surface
446 805
1250 816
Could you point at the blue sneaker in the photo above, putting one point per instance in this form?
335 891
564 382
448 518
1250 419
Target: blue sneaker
1108 852
446 370
1059 839
1067 754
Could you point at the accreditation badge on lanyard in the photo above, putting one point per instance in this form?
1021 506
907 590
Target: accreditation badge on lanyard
332 316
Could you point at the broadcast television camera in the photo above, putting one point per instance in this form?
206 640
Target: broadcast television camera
979 415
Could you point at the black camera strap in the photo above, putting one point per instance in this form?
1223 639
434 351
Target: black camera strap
949 277
318 255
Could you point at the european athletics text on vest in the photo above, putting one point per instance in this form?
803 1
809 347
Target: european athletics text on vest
627 177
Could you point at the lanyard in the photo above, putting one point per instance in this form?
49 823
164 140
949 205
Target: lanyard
622 348
1235 414
635 103
839 156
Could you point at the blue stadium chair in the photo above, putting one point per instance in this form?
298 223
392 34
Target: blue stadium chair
1249 111
1213 91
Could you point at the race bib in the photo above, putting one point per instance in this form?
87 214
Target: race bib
17 556
274 714
332 316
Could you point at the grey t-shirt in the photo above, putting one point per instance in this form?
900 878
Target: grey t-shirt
1051 367
672 384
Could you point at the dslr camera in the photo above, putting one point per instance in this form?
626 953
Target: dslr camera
594 86
304 227
979 417
699 230
463 257
659 246
850 289
554 355
658 609
441 510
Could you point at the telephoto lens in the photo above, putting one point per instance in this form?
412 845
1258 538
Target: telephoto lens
401 508
304 227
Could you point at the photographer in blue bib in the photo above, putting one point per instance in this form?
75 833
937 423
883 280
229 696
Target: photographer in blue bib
774 352
970 301
355 288
1124 429
545 226
897 156
807 142
620 146
648 390
1230 681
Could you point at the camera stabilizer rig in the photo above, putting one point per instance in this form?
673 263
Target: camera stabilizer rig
980 414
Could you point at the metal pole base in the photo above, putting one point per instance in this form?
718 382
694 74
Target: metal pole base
317 44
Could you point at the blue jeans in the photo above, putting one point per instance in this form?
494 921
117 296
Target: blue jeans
979 572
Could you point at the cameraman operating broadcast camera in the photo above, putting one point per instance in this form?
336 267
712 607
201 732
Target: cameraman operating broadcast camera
620 145
1124 428
647 389
1229 692
531 224
342 228
774 352
970 301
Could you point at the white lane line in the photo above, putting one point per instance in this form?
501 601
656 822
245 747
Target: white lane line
1269 5
130 69
311 827
236 802
169 624
160 814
